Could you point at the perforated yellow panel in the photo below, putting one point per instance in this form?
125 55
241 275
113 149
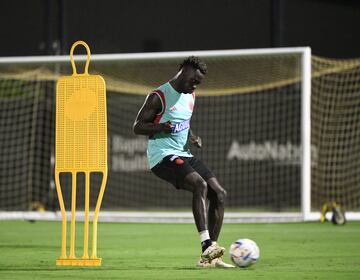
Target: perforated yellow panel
81 146
81 133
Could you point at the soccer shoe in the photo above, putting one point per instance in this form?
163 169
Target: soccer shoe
218 262
204 263
212 252
215 263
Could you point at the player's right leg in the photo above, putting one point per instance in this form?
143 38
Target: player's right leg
197 185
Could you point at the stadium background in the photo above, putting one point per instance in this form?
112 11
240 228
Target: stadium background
50 27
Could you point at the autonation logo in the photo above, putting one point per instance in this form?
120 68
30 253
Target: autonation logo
269 150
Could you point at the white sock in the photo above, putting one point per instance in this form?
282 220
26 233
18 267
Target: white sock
204 235
213 242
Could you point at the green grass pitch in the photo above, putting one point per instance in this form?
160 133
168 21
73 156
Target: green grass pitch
170 251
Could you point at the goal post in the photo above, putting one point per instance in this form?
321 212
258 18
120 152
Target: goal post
306 134
253 112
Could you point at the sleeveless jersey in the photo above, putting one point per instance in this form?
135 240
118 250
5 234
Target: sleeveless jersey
177 108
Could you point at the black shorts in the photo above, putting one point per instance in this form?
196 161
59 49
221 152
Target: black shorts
173 169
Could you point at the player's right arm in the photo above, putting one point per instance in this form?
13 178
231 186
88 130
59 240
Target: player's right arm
144 122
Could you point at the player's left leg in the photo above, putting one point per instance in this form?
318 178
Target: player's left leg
216 196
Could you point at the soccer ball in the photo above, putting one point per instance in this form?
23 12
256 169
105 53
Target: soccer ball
244 252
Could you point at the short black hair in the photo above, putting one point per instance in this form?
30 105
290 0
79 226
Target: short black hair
196 63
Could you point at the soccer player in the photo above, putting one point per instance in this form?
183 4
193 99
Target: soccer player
165 117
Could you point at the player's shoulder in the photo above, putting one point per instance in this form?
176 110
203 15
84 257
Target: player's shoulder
163 88
160 92
156 97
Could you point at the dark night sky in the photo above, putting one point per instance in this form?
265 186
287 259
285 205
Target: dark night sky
41 27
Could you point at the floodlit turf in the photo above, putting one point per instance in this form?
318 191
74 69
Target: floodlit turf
170 251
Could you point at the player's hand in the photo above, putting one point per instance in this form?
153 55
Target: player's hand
167 127
196 141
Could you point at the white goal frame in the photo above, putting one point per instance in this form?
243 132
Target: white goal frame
305 215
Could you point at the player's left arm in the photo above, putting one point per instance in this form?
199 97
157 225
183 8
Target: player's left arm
194 139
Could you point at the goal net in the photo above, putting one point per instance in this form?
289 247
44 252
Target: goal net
252 112
335 114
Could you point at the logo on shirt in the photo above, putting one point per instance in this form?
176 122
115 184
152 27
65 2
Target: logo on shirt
177 127
173 109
